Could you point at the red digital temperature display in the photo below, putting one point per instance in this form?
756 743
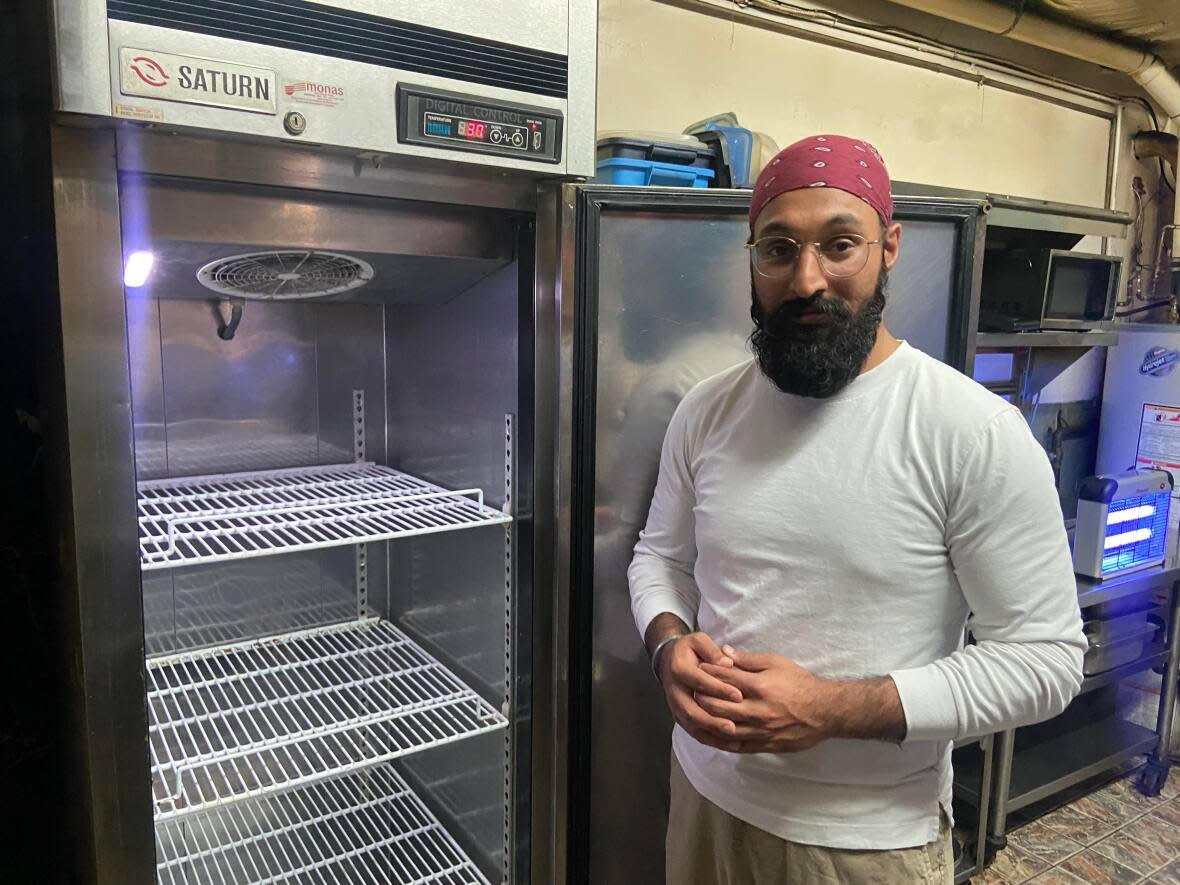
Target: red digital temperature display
473 130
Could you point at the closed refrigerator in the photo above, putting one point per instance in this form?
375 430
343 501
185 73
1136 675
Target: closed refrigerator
661 286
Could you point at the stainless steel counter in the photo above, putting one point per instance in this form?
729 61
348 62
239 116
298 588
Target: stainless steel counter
1092 592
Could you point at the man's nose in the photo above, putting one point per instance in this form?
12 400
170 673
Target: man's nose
808 279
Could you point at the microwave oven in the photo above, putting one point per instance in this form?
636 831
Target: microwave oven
1029 289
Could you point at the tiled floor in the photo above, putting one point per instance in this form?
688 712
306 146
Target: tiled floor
1113 836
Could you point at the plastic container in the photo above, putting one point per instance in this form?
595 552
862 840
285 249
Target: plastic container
741 150
739 153
647 172
653 158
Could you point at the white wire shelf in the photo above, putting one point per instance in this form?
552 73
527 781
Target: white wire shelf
243 720
364 827
199 519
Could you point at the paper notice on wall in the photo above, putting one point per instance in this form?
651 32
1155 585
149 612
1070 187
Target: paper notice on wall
1159 439
1159 449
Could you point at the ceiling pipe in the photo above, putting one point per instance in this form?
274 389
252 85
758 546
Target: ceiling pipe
1149 144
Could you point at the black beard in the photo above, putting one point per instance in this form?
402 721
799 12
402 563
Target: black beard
816 360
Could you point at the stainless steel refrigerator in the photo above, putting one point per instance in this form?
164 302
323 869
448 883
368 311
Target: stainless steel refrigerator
302 458
661 290
298 389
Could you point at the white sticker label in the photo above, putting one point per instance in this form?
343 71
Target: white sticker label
131 112
1159 438
196 81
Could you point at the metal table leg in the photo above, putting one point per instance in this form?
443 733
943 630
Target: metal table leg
988 745
1155 773
1004 747
977 852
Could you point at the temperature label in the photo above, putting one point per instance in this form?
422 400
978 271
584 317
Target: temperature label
433 124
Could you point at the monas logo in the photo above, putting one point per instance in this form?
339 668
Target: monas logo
1159 362
310 92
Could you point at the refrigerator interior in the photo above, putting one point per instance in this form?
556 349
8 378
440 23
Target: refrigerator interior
325 490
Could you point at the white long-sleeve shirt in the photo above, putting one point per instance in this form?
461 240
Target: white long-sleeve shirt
854 535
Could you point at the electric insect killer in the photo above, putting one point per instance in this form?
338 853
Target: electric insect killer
1122 523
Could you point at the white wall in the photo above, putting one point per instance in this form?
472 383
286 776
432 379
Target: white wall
661 67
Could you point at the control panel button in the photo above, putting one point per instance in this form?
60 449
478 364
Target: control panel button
497 136
517 139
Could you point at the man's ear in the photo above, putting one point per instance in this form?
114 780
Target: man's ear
891 244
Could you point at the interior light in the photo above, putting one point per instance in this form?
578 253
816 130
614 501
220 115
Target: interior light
137 269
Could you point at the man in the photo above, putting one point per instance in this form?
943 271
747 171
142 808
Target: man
828 517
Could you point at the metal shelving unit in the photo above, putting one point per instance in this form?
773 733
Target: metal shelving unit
1036 768
203 519
1047 339
236 721
1098 680
1068 759
1155 582
1075 757
364 827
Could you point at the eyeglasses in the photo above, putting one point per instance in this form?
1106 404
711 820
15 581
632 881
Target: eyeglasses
840 256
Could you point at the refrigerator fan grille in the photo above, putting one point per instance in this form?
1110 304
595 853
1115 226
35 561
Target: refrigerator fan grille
284 275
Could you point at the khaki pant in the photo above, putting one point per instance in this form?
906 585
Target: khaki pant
707 846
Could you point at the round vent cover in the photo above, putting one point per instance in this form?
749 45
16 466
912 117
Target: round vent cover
284 276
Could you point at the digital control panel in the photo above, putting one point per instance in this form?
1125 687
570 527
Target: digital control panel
456 122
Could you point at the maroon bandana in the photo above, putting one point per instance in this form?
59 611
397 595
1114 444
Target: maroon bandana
835 161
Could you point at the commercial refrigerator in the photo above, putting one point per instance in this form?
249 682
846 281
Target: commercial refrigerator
662 301
300 385
289 613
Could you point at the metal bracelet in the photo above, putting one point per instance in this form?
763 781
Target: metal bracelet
655 654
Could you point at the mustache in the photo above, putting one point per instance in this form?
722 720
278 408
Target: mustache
787 314
833 307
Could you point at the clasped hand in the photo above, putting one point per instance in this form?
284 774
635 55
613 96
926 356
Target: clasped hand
742 702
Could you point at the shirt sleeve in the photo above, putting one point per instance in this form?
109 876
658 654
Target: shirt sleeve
661 572
1007 542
